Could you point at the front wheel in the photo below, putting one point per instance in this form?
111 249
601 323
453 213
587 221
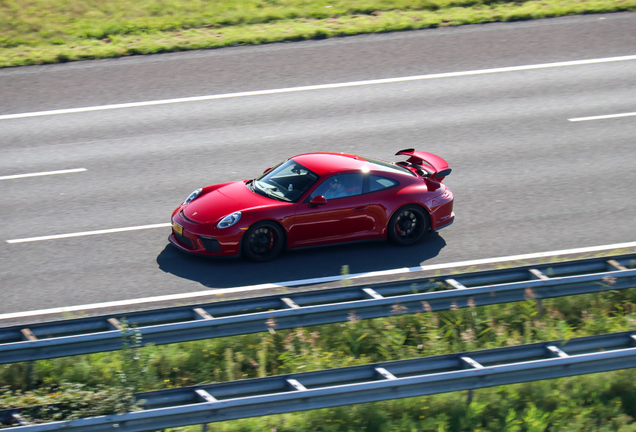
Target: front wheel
408 225
263 241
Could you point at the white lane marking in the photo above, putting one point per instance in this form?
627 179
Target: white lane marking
602 117
301 282
45 173
88 233
319 87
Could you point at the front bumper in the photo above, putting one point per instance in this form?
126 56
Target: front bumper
195 239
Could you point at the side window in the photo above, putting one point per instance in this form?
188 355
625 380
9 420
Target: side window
340 186
377 183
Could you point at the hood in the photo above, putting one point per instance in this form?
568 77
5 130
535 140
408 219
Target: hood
222 201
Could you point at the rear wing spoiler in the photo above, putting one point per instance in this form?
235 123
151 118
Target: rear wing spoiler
432 165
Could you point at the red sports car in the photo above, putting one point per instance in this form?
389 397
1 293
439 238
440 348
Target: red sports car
316 199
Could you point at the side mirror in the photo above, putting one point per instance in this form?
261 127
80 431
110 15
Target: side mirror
267 169
317 200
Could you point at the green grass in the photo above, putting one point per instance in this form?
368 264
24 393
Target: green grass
51 31
99 382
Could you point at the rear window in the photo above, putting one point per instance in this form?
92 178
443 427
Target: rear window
378 183
389 167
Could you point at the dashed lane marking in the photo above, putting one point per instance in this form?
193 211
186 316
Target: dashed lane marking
602 117
88 233
45 173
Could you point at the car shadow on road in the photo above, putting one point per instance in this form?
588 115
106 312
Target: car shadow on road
299 263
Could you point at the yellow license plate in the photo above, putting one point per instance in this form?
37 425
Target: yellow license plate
177 228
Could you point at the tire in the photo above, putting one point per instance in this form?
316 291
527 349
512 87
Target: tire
263 241
408 225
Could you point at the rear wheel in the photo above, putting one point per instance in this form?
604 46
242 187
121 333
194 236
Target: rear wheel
263 241
408 225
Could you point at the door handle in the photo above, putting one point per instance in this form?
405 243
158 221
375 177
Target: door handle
360 208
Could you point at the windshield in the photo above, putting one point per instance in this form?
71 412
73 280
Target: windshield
286 182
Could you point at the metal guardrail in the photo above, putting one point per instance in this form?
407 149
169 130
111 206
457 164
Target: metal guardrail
358 384
228 318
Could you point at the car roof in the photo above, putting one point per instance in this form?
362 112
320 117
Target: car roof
327 163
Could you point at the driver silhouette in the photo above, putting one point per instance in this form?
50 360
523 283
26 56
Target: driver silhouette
335 188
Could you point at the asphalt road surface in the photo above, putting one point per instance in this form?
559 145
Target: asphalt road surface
525 178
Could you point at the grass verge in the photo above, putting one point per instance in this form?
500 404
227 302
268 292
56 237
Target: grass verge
588 403
52 31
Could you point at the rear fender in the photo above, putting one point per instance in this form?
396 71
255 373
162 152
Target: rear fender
423 206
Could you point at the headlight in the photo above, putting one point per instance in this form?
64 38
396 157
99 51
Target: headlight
192 196
229 220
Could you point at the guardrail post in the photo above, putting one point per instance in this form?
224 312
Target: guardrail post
538 274
556 352
469 363
296 385
20 420
615 265
28 335
289 303
201 313
385 373
29 375
114 322
372 294
455 284
207 397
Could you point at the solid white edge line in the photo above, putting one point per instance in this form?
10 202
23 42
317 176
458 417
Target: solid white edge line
310 281
320 87
45 173
88 233
602 117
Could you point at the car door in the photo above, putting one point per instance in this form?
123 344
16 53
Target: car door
343 217
382 196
